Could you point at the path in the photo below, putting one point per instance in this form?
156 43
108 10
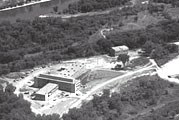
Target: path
103 30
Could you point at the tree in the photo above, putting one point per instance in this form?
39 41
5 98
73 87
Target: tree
172 48
111 53
10 89
159 52
13 107
124 58
105 45
148 47
55 9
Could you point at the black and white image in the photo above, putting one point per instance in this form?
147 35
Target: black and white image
89 59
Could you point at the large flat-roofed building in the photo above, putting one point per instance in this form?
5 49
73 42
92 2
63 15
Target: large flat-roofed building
64 83
120 50
45 92
66 78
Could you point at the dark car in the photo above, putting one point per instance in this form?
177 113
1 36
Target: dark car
26 92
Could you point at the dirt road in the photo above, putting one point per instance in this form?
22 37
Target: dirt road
98 87
169 69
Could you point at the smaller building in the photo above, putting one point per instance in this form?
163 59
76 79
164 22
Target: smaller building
45 92
120 50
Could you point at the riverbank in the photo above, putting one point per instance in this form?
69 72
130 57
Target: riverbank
28 4
66 16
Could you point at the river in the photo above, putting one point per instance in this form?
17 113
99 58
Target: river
32 11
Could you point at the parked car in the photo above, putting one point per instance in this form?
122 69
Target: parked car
26 92
66 95
169 76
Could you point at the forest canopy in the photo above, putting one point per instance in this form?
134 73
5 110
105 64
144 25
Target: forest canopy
140 96
13 107
26 44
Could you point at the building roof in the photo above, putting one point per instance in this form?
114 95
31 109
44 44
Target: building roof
66 74
72 69
120 48
69 70
56 77
47 88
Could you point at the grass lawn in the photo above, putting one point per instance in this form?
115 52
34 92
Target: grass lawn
138 62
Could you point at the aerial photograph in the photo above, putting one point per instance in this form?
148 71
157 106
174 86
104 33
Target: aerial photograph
89 59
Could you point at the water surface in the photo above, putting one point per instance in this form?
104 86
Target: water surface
32 11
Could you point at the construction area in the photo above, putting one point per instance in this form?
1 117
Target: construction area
59 87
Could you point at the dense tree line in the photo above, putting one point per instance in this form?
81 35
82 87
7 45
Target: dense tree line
84 6
174 3
141 94
13 107
26 44
168 112
153 40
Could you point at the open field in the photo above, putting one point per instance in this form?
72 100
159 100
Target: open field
98 77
